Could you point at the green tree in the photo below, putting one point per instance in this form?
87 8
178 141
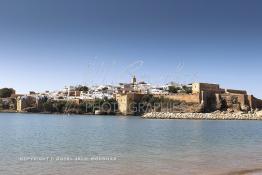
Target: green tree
82 88
48 106
173 89
60 106
187 89
6 92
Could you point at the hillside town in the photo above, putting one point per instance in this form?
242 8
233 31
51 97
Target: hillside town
134 98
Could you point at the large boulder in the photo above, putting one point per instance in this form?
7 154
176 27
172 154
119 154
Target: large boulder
259 113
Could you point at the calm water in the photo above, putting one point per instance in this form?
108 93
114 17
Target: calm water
134 145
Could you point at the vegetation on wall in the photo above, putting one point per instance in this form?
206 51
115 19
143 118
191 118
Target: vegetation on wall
8 104
150 103
63 106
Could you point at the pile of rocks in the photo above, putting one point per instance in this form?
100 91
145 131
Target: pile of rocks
205 116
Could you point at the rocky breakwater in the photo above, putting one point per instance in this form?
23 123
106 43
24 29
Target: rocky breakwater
205 116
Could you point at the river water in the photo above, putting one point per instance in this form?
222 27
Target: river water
41 144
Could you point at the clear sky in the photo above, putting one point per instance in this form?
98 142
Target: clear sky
47 44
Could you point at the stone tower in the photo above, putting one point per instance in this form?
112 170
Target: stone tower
133 80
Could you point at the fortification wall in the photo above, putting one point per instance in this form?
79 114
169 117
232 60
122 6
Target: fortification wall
211 101
122 103
23 103
198 87
189 98
259 103
242 99
256 103
234 91
125 102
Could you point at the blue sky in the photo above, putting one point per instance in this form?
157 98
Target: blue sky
47 44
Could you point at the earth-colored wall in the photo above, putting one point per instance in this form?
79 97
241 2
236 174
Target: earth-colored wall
125 102
256 103
199 87
23 103
122 103
236 91
211 100
259 103
241 98
189 98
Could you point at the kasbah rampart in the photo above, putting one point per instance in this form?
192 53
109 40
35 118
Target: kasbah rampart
207 97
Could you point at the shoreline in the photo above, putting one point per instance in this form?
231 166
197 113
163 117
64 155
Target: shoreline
170 115
202 116
57 113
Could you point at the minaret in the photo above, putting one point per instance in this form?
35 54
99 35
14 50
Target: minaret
134 80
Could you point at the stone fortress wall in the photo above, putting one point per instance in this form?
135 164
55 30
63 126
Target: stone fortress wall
125 102
199 87
256 103
189 98
210 96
